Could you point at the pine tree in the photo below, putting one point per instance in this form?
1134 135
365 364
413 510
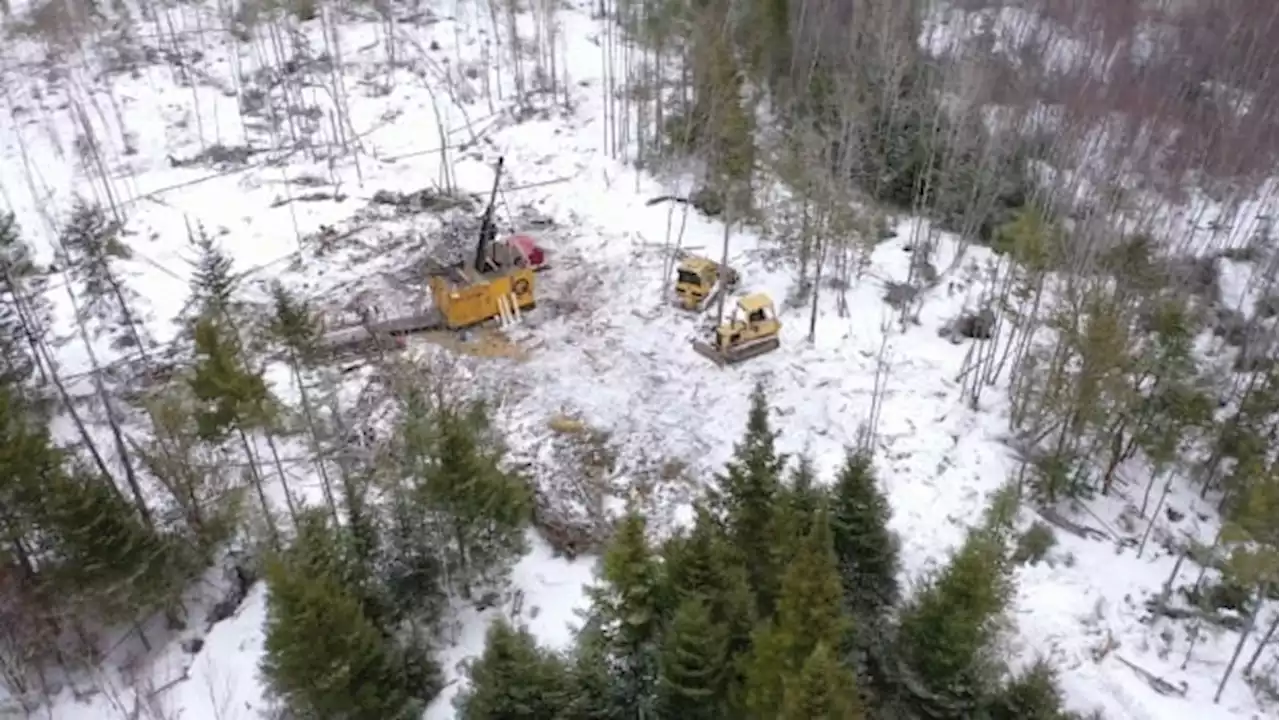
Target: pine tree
948 630
823 690
323 656
747 494
514 678
628 606
866 550
693 675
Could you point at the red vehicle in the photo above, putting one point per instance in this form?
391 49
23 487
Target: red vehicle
528 248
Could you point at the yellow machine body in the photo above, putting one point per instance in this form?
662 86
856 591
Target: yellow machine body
465 297
699 281
752 330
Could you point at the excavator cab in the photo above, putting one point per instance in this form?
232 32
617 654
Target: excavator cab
751 330
699 281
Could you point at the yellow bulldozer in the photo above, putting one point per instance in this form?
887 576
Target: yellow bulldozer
751 330
699 282
499 282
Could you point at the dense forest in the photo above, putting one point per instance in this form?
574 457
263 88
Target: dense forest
124 489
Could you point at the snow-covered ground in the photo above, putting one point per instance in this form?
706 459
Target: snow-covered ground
603 346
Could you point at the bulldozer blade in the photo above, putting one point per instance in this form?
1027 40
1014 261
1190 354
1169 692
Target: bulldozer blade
707 351
735 355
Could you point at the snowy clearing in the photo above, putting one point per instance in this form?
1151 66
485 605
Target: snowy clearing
605 346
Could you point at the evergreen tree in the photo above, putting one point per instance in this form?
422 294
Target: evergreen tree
232 398
798 503
91 246
212 282
866 550
747 494
692 682
1030 695
477 507
103 547
323 656
823 690
294 324
513 679
810 612
24 313
702 566
811 606
296 327
593 694
765 673
947 632
628 606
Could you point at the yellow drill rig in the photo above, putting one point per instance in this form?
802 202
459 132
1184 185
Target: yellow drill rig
751 330
499 283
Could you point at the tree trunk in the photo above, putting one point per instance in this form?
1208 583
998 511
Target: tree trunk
1262 645
284 479
256 478
113 422
1259 596
308 416
724 257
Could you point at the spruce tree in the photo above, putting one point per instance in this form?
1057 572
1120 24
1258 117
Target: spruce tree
91 245
294 324
103 547
593 692
323 656
24 311
798 503
811 606
232 398
823 690
747 494
693 674
866 550
628 606
212 282
1030 695
810 612
702 566
948 631
478 507
514 678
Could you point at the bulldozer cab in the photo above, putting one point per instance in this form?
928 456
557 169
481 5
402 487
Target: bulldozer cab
753 310
753 329
699 281
753 316
695 275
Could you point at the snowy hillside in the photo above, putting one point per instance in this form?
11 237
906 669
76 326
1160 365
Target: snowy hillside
603 346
